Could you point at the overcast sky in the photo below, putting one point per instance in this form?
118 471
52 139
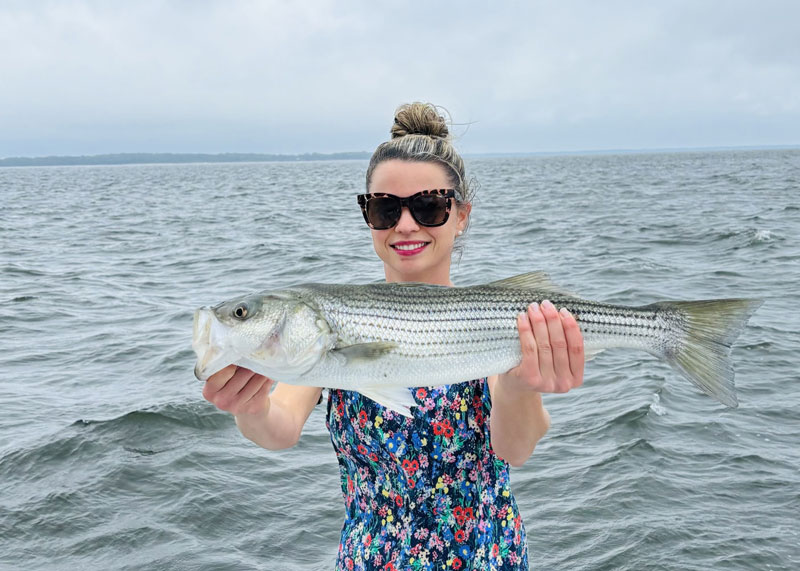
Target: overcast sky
81 77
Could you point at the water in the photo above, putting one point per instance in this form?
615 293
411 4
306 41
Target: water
110 459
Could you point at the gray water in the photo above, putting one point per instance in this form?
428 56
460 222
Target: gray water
110 459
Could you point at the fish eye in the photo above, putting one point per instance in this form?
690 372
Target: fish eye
240 311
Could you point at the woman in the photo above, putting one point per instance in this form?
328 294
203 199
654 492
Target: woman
432 491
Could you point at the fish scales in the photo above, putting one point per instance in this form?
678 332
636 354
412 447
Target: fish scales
436 322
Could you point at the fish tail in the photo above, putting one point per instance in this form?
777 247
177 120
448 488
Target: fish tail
701 350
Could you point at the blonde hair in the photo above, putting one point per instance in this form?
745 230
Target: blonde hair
420 134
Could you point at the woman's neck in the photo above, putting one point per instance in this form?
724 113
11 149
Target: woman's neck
440 277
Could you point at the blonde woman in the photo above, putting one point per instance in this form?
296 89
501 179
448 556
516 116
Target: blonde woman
431 491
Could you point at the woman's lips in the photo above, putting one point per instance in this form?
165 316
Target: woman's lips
409 248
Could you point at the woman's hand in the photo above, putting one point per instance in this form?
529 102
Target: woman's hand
238 390
552 351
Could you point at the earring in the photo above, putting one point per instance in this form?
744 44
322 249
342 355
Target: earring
460 232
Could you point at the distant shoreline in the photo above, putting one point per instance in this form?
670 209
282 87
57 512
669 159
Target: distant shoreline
173 158
181 158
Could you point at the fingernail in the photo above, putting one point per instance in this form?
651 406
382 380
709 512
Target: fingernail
565 312
521 316
534 306
546 303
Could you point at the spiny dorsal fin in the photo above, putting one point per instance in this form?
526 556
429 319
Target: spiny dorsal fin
532 280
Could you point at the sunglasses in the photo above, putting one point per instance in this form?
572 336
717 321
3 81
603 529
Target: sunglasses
428 207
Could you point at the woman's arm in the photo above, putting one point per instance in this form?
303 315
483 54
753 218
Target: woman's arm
518 421
274 421
552 362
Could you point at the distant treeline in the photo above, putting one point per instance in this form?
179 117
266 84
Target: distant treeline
163 158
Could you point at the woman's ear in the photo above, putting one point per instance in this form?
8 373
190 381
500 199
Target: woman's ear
463 216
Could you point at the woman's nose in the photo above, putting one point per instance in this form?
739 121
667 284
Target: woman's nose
406 223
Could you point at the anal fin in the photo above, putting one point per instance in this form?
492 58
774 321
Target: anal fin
398 399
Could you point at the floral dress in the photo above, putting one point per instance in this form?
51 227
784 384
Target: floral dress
425 492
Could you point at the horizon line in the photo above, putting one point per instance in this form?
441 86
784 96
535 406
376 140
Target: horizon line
101 159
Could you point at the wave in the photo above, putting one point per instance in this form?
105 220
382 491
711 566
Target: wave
746 238
629 418
198 415
144 432
20 299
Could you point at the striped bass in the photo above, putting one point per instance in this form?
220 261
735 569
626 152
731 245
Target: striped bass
378 338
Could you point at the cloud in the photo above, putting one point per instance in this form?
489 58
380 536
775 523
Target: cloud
278 76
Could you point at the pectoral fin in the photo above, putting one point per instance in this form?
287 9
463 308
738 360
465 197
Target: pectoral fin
364 352
398 399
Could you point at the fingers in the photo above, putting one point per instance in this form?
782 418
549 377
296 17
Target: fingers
216 381
527 341
562 375
574 337
257 384
262 393
542 334
234 389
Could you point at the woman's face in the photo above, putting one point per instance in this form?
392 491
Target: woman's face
412 252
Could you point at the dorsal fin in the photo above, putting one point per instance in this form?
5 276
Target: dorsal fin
532 280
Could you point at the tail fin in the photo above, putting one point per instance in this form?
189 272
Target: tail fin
707 329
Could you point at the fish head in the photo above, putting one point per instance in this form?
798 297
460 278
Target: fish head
276 334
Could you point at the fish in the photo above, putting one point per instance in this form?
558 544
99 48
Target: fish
381 338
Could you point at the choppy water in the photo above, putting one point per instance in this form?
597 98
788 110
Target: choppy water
110 459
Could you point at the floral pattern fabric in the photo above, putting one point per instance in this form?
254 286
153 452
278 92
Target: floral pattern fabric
425 492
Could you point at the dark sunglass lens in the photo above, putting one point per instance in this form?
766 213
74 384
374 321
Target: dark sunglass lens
383 212
429 209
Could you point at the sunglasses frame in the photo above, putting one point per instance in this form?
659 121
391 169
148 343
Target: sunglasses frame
448 193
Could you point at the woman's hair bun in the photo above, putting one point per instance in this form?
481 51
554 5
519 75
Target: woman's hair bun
419 119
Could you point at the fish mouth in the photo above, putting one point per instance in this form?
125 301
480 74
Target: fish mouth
207 336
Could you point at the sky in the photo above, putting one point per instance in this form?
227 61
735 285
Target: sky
269 76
